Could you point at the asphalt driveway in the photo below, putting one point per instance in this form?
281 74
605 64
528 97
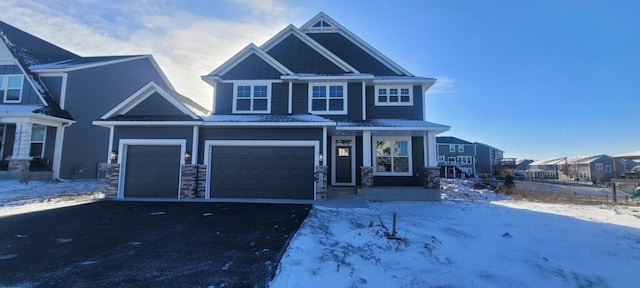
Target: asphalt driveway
147 244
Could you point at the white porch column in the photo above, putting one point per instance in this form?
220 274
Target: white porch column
22 141
432 159
366 148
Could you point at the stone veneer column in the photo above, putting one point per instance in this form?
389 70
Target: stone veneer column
202 181
188 180
20 160
321 182
366 176
111 179
432 177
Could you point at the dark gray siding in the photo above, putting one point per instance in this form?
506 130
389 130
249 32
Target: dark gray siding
300 58
49 143
8 141
155 105
414 112
224 98
257 134
253 67
154 132
300 101
10 69
352 54
417 179
54 86
280 98
90 94
483 163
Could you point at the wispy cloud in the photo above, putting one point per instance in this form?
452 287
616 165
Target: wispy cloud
444 85
185 44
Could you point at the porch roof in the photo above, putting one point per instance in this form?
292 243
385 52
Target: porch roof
267 119
37 114
391 124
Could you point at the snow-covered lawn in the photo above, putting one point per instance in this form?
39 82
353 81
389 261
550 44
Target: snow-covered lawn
16 198
476 240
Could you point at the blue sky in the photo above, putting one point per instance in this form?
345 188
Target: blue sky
537 79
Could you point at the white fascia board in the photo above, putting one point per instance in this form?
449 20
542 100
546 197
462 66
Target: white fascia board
328 78
416 80
356 40
34 118
243 54
270 124
145 123
356 128
290 29
161 73
89 65
33 84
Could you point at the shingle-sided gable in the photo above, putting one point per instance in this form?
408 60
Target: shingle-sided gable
301 58
252 67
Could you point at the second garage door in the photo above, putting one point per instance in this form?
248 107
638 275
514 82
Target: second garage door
262 172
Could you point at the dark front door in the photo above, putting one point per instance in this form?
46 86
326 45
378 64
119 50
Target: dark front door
343 164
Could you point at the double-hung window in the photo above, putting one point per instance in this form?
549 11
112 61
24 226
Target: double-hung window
11 88
393 156
252 97
387 95
38 133
328 98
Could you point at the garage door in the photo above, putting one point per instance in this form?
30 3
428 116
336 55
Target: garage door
152 171
262 172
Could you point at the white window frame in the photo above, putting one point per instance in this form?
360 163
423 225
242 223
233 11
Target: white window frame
4 86
460 148
43 141
251 97
452 147
387 88
374 150
440 158
327 85
599 166
607 168
464 160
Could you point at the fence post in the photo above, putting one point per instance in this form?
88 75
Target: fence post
613 188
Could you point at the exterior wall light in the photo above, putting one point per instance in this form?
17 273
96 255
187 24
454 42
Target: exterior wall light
187 156
113 155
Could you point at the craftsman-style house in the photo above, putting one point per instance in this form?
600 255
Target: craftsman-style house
314 106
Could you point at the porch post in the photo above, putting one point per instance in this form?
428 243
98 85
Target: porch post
366 171
19 161
431 169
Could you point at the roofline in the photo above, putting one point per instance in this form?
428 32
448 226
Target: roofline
243 54
270 124
87 65
110 123
328 77
359 42
290 29
36 115
386 128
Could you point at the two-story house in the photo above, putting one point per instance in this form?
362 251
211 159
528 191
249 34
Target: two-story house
49 98
456 157
313 106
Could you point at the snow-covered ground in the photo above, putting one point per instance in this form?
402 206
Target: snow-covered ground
16 198
472 239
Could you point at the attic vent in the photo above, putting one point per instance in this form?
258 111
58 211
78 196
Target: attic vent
321 24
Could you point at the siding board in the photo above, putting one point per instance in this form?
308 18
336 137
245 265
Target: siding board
300 58
253 67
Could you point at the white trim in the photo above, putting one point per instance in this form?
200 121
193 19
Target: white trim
271 124
324 146
57 152
33 84
251 98
194 145
353 160
142 94
290 98
373 128
145 123
292 30
433 149
208 144
37 69
409 155
34 118
111 130
63 85
364 101
366 148
425 149
345 98
388 87
336 27
122 155
239 57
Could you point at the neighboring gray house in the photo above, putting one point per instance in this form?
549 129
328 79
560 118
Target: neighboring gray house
596 169
49 97
311 107
456 157
522 165
545 169
488 159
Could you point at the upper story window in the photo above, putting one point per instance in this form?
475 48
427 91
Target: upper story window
252 97
394 95
328 98
460 148
599 166
452 147
11 88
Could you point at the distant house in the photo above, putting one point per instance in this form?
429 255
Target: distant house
461 158
596 169
49 97
313 106
522 165
545 169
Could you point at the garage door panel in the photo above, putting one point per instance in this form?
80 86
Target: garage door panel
152 171
262 172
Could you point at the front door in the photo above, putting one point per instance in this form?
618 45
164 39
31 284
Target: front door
343 161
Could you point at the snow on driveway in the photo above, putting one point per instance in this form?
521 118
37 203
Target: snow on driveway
16 198
465 243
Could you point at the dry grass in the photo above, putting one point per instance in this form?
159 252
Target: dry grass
548 196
